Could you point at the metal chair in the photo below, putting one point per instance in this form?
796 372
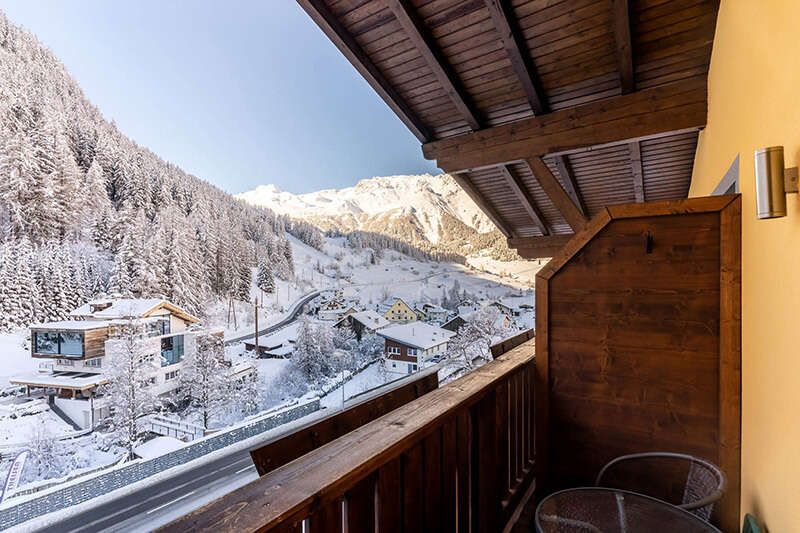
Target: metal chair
704 486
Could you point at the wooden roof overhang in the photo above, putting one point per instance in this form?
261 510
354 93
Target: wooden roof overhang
545 111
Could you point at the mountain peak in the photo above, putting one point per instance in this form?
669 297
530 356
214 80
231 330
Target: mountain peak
369 204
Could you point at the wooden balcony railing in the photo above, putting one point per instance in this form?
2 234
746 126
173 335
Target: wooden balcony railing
459 458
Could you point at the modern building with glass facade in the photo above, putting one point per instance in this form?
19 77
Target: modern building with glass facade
74 353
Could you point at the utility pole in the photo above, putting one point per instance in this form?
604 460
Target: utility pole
255 304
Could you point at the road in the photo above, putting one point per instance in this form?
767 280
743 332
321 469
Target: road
295 310
155 505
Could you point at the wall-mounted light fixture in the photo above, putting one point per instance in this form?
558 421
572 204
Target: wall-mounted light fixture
773 181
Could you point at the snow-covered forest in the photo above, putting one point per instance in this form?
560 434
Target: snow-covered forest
84 209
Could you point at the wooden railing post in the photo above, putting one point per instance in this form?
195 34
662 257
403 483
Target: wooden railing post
485 475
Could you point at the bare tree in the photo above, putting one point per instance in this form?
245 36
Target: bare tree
130 389
205 378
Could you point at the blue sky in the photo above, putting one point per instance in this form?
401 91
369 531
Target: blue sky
240 95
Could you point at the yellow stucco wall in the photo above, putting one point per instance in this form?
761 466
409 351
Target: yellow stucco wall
754 101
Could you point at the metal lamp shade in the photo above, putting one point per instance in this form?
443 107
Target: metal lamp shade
770 191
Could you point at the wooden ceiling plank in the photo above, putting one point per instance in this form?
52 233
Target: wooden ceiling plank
465 183
417 34
552 187
570 184
504 23
527 201
350 48
636 170
624 50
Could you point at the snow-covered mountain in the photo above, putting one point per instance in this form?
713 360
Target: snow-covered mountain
432 212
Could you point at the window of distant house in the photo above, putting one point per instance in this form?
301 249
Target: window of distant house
394 350
413 351
171 350
68 343
94 362
169 376
158 327
71 343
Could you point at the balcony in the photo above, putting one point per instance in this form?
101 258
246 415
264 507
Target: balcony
637 349
460 454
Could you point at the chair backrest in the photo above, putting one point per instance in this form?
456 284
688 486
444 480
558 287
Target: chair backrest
750 524
703 486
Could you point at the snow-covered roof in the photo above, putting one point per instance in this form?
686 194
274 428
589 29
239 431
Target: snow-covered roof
282 336
64 380
416 334
117 308
73 325
431 308
338 309
371 319
464 310
282 351
158 446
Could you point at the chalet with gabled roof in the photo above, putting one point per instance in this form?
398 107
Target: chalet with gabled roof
408 346
363 322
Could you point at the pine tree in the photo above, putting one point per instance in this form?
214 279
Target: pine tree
17 168
312 351
264 279
120 280
287 254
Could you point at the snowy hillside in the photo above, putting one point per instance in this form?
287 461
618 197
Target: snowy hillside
85 210
431 212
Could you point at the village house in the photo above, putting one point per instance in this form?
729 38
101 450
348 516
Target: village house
503 321
363 322
76 352
409 346
431 312
336 313
277 345
397 310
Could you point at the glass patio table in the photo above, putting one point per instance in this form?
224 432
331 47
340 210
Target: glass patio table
605 510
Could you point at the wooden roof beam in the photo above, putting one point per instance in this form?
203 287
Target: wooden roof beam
557 194
622 38
664 110
417 33
570 183
627 82
539 247
636 170
465 183
528 203
347 45
514 44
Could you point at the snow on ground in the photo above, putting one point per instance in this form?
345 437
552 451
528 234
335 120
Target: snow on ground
398 275
157 447
21 422
269 370
369 378
521 271
15 356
